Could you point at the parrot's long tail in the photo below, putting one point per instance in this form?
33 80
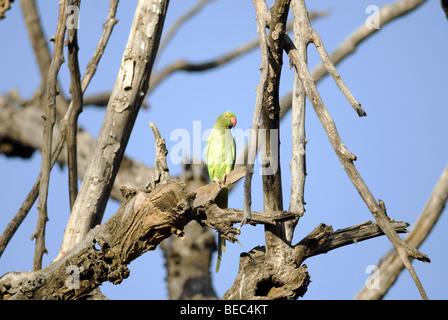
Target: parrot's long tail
221 249
221 200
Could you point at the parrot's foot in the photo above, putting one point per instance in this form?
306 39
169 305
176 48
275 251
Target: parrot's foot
218 181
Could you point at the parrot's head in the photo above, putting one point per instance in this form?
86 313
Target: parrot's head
226 120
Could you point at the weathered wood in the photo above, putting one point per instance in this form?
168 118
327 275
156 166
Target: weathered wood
145 219
275 237
322 239
298 135
346 158
258 279
148 217
208 192
127 97
140 224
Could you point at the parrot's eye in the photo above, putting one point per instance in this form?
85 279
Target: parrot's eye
226 116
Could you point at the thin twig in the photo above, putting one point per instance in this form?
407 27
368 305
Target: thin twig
56 62
36 37
261 89
42 53
335 74
108 26
184 65
76 91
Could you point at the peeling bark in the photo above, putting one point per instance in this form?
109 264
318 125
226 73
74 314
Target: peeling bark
127 97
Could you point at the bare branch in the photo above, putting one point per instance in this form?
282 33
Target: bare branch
50 117
309 247
72 127
334 73
387 14
261 89
37 37
140 224
390 265
298 159
108 26
77 89
42 53
270 122
30 8
347 159
128 94
211 190
235 215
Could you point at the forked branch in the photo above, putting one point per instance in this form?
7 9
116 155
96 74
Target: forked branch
346 158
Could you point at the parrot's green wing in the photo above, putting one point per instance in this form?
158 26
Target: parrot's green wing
220 157
220 153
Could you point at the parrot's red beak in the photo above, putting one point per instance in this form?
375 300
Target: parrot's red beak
233 121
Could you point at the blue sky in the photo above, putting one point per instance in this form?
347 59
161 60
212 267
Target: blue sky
399 75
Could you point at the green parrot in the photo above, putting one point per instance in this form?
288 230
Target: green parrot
220 157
